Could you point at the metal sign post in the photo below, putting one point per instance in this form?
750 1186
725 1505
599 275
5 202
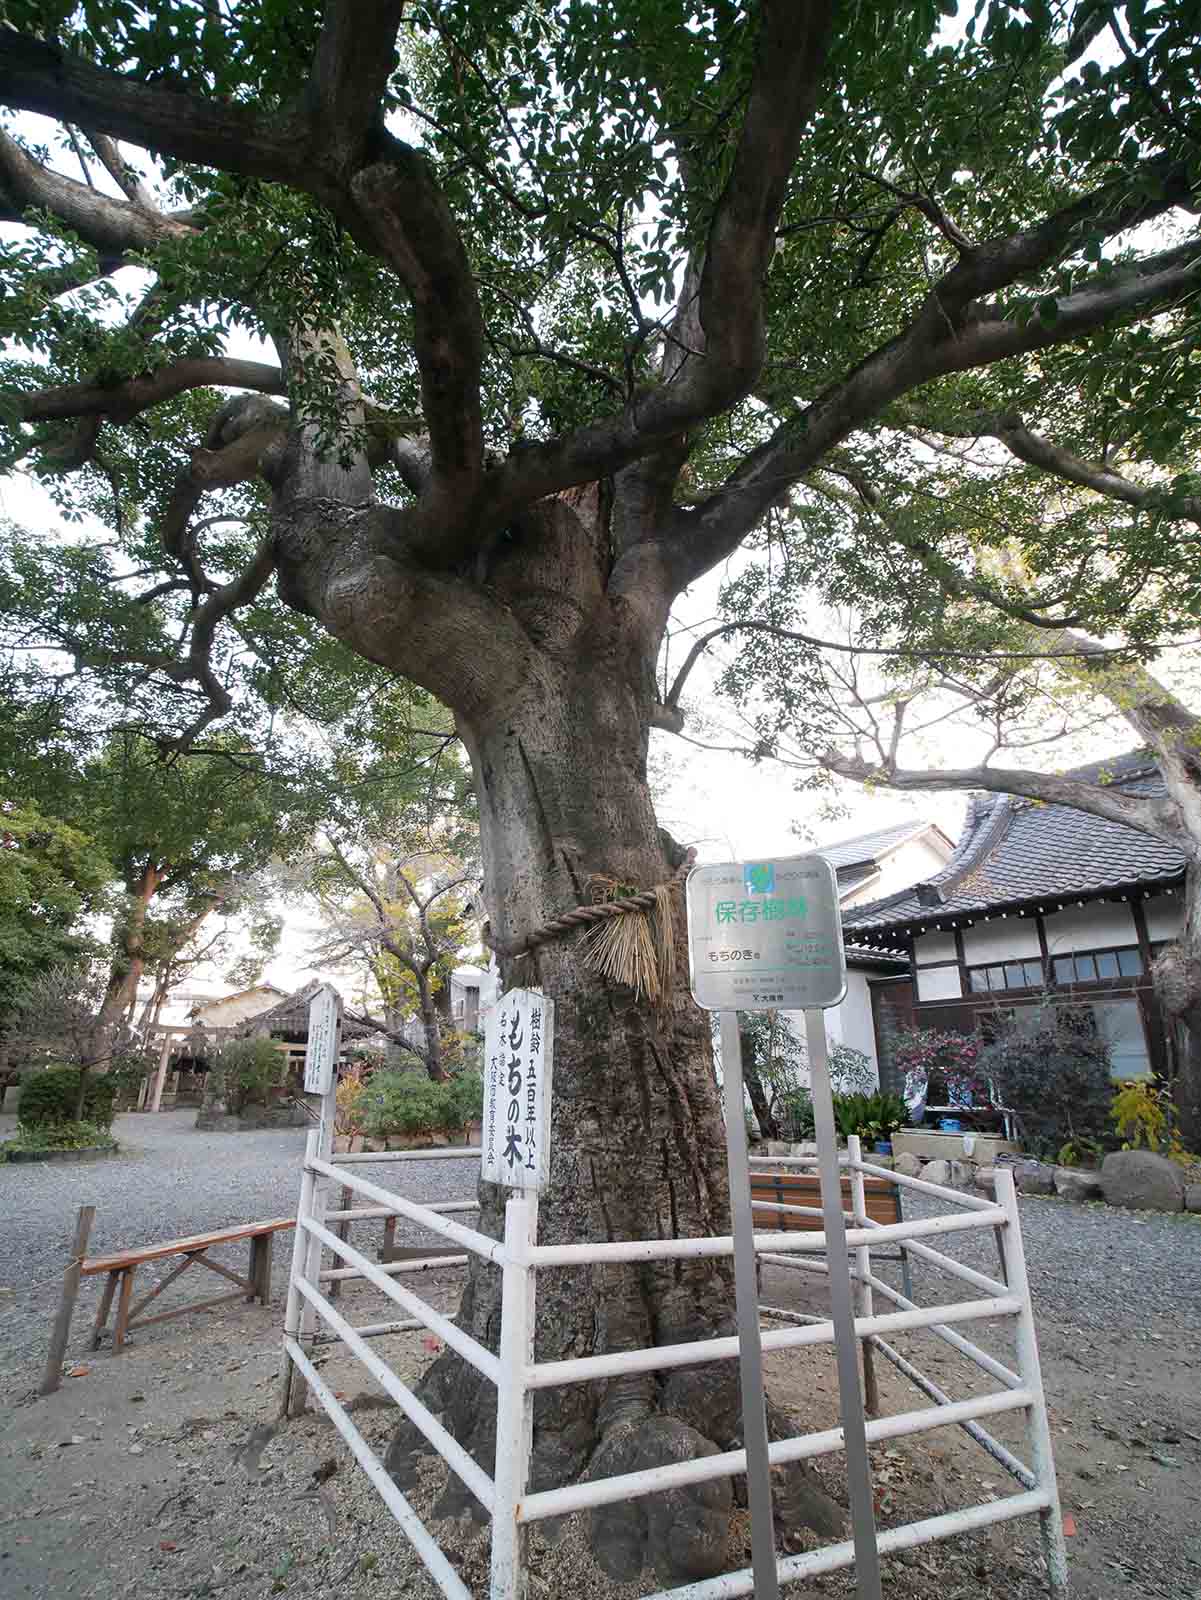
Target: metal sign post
767 936
746 1301
850 1396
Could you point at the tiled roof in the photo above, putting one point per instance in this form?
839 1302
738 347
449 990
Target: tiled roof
1015 851
869 847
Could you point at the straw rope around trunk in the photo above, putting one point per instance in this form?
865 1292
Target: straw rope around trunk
593 916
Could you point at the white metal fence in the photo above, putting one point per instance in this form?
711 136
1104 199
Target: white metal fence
517 1376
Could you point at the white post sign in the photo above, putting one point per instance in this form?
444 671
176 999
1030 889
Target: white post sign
321 1051
765 935
518 1063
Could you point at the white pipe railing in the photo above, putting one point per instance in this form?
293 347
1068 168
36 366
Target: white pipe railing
393 1268
920 1186
465 1152
449 1332
518 1376
731 1463
965 1347
447 1446
660 1358
829 1559
478 1243
1003 1457
949 1265
579 1255
426 1546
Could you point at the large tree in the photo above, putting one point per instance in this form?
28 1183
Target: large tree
565 299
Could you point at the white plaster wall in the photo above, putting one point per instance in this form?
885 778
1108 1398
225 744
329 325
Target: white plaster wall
1164 915
234 1008
938 983
916 860
929 947
849 1023
855 1018
1091 927
1013 939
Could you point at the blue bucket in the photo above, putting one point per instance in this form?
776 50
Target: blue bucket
950 1125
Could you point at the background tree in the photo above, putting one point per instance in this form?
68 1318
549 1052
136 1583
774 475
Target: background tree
562 300
967 629
51 877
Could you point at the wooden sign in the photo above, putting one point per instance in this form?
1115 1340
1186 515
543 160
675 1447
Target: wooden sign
518 1062
321 1051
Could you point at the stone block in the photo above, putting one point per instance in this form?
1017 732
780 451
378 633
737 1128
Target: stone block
962 1173
986 1179
909 1166
1034 1177
1077 1183
1192 1197
1142 1181
937 1172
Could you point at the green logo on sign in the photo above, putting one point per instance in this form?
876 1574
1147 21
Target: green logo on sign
760 877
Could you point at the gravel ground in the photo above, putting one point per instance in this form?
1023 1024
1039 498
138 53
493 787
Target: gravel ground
136 1478
169 1181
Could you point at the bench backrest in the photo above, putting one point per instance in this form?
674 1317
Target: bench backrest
881 1199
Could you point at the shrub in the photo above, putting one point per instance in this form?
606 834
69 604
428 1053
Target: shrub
59 1136
245 1072
402 1103
1145 1118
1052 1068
851 1071
922 1054
795 1112
49 1097
870 1116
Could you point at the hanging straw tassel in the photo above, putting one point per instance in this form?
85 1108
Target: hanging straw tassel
638 949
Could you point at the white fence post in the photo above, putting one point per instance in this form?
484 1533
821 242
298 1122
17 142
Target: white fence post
864 1299
289 1381
514 1401
1041 1457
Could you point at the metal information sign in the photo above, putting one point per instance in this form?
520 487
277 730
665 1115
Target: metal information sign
321 1051
765 935
518 1064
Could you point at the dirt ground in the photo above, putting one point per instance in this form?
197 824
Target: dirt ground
157 1473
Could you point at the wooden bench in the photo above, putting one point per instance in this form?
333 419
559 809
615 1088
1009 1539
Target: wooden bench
121 1268
776 1191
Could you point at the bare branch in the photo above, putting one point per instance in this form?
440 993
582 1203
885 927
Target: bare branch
1149 814
122 174
120 402
107 224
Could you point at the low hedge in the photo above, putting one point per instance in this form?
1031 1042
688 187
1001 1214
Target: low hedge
49 1098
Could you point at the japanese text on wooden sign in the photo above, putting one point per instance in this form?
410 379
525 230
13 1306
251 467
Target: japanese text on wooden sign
518 1061
765 935
321 1051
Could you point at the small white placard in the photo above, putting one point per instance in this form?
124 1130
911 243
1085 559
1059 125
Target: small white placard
518 1062
321 1051
765 935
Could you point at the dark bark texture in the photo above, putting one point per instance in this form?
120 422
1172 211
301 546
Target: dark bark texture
637 1144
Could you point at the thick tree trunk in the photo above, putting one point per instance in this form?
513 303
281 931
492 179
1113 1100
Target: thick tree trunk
638 1144
427 1006
129 961
1177 975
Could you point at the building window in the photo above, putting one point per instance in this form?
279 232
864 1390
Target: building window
1098 966
1006 975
